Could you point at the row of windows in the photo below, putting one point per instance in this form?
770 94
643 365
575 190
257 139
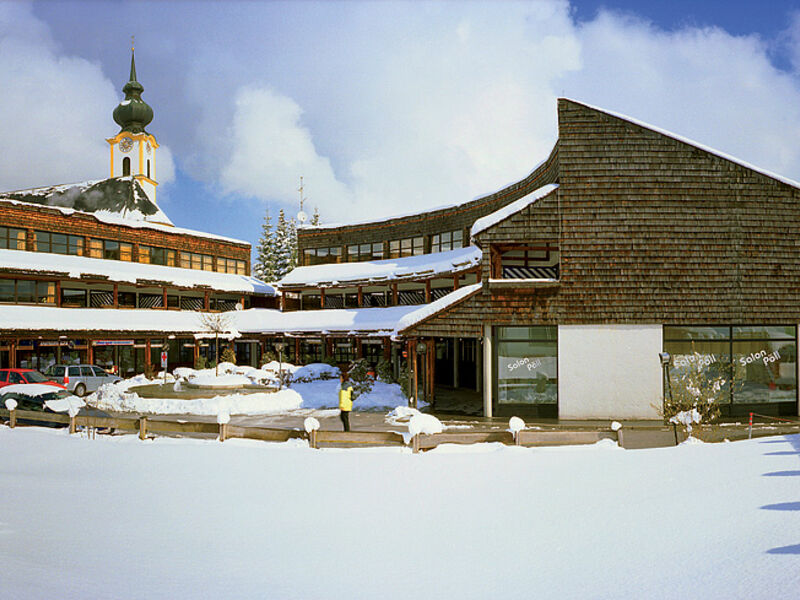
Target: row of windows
62 243
22 291
413 246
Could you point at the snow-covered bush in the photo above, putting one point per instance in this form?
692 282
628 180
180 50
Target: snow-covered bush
199 363
314 371
697 387
360 377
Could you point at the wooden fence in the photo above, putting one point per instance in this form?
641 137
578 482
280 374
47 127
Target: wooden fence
317 439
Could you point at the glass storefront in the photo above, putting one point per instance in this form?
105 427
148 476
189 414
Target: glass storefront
757 362
526 363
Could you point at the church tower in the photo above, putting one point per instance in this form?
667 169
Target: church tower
133 150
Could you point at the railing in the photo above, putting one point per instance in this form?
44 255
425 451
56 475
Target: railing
149 426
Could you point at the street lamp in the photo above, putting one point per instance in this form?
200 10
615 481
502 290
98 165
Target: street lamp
665 360
279 346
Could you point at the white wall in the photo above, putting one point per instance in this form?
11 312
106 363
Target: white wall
609 371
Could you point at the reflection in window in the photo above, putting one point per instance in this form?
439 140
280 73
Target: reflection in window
527 365
759 363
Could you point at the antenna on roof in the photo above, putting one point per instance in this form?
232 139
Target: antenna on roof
301 216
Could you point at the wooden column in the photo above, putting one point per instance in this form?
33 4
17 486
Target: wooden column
456 282
322 297
207 300
241 301
428 291
147 352
487 371
360 297
394 294
359 348
12 354
58 293
89 352
456 347
297 350
164 299
283 302
478 274
387 349
412 356
116 295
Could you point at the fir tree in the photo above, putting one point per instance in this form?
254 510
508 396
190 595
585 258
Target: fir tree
283 246
265 262
315 217
292 244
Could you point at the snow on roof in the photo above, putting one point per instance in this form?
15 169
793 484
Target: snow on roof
121 271
350 321
65 320
116 201
510 209
691 142
428 310
425 265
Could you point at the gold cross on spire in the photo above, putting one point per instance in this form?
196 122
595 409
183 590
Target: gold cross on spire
132 37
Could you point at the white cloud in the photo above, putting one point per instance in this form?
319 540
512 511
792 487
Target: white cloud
56 109
441 109
271 149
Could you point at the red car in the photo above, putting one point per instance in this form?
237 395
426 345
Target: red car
12 376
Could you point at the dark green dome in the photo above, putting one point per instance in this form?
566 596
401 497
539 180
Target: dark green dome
133 114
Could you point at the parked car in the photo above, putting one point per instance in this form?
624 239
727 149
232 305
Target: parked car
80 379
15 376
33 398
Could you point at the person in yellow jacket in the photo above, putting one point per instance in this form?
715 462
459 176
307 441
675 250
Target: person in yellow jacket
345 401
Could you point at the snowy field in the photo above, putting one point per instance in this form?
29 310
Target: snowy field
119 518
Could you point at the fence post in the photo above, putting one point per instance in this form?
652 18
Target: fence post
312 438
142 428
223 431
12 418
73 425
415 444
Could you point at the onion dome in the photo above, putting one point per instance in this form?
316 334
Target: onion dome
133 114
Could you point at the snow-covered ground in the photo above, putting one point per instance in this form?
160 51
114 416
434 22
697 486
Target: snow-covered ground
119 518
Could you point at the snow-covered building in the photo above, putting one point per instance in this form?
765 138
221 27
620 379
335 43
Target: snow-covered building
555 295
97 272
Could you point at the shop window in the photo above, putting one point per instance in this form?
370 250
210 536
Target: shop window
12 238
758 364
73 298
527 365
524 262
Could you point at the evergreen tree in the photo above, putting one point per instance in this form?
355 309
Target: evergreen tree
315 217
264 268
292 244
283 246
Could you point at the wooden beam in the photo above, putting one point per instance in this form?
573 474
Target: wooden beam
456 282
164 298
394 294
322 297
427 291
360 297
116 295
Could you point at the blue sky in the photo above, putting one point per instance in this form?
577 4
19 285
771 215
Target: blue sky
383 107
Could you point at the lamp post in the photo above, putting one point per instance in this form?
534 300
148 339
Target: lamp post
279 346
665 360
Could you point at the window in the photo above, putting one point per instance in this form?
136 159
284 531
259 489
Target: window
524 262
156 256
208 263
362 252
12 238
7 290
126 299
527 365
96 248
45 292
111 250
322 256
407 247
186 260
26 291
148 168
757 362
73 298
126 166
449 240
126 252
